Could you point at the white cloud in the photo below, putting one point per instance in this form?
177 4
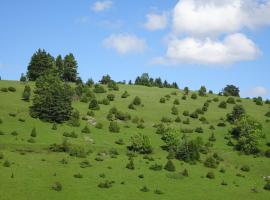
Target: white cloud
257 91
211 32
125 43
156 22
214 17
102 5
233 48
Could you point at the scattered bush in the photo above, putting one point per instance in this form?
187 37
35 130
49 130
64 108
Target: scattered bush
267 153
86 129
130 164
174 110
79 175
185 173
169 166
111 97
199 130
72 134
159 192
156 167
223 105
33 132
144 189
26 93
14 133
57 186
194 96
245 168
120 141
114 127
267 186
178 119
137 101
176 102
186 113
125 95
99 89
31 140
106 184
12 89
99 125
162 100
54 127
93 105
6 163
1 156
231 100
211 162
210 175
212 138
3 89
140 143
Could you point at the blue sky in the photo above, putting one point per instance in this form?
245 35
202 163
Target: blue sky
191 42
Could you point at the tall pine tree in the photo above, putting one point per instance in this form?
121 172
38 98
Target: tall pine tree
70 68
40 62
52 99
59 63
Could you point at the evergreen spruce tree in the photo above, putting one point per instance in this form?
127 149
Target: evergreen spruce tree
26 93
34 132
40 62
170 166
59 63
70 68
52 99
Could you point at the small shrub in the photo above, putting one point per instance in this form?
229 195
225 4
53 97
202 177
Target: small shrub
185 173
86 129
6 163
12 114
54 127
174 110
212 138
93 105
99 125
1 156
21 120
176 102
99 89
130 164
12 89
85 164
125 95
120 141
267 186
72 134
141 176
106 184
14 133
186 113
178 119
222 170
79 175
245 168
156 167
162 100
34 132
57 186
210 162
231 100
114 127
111 97
224 183
194 96
137 101
159 192
223 105
3 89
199 130
169 166
210 175
267 153
144 189
31 140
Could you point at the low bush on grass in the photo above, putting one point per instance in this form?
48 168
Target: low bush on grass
57 186
106 184
78 175
245 168
210 175
144 189
12 89
86 129
169 166
156 167
72 134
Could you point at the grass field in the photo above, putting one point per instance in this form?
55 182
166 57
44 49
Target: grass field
34 169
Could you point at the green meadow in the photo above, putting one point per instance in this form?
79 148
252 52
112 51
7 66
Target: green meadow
30 169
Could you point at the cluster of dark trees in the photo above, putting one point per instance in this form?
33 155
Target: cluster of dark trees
41 61
145 80
231 90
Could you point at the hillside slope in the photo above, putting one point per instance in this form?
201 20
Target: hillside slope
34 169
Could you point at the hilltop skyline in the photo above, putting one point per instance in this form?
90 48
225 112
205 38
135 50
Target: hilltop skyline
224 42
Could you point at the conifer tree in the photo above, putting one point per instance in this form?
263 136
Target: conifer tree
70 68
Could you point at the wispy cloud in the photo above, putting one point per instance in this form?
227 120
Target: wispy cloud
257 91
102 5
125 43
156 21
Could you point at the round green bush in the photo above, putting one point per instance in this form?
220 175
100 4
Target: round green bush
210 175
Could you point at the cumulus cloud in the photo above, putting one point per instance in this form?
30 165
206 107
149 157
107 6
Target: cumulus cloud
214 17
233 48
156 22
102 5
125 43
257 91
211 32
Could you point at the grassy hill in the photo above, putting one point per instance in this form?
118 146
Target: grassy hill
34 169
